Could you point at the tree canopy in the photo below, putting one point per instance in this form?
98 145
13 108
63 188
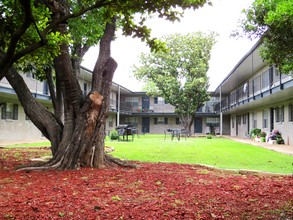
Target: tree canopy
51 36
272 20
180 73
28 28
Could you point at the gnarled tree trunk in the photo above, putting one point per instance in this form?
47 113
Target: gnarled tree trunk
83 133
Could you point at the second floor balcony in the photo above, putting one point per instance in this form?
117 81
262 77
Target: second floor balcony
268 83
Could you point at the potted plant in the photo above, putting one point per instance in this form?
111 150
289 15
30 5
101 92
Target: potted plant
254 133
279 139
263 136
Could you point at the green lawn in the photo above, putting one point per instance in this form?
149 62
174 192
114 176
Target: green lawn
218 152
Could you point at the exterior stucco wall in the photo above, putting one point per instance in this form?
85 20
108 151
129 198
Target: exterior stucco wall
256 120
18 130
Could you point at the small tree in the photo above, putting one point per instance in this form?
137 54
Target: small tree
179 74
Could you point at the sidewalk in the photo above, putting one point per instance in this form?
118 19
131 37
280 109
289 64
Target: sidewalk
286 149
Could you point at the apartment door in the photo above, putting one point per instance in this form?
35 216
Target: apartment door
145 103
145 124
272 119
198 125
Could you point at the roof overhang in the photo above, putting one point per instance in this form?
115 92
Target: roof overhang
244 69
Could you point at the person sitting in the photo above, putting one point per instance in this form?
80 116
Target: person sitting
272 135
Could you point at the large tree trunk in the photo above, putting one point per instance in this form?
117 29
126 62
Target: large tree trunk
83 134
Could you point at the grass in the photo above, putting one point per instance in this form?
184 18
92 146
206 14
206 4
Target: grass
218 152
37 144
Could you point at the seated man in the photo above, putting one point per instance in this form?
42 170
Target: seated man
272 135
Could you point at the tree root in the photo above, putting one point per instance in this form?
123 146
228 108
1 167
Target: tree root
110 160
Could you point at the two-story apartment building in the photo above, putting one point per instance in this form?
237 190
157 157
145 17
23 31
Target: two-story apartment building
147 114
14 125
255 95
152 114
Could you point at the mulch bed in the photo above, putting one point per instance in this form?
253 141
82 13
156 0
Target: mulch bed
151 191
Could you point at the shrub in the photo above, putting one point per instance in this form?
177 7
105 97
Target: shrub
279 139
263 134
255 132
114 135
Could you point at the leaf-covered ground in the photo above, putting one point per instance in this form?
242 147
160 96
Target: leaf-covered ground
152 191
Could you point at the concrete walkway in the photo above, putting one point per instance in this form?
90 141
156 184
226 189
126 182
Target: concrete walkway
286 149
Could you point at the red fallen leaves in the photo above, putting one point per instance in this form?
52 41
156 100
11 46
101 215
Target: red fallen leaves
152 191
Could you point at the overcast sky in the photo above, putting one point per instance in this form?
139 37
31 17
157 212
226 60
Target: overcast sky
223 17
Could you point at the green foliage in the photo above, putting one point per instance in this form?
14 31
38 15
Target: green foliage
179 75
209 136
273 21
263 134
255 132
279 139
38 43
114 134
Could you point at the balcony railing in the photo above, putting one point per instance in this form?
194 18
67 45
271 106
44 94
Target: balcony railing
262 85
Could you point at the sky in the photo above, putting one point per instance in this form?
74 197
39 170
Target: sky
223 17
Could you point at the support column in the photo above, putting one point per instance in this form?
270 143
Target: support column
221 114
118 106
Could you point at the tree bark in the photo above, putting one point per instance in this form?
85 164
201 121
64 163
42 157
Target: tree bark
187 121
83 134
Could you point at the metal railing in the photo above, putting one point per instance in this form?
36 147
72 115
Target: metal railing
263 83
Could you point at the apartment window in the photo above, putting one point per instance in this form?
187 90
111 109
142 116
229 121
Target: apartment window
132 120
244 119
291 112
30 75
177 121
256 84
265 79
110 121
265 118
159 100
85 89
131 103
45 88
165 121
254 120
213 120
160 120
238 119
9 111
280 114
